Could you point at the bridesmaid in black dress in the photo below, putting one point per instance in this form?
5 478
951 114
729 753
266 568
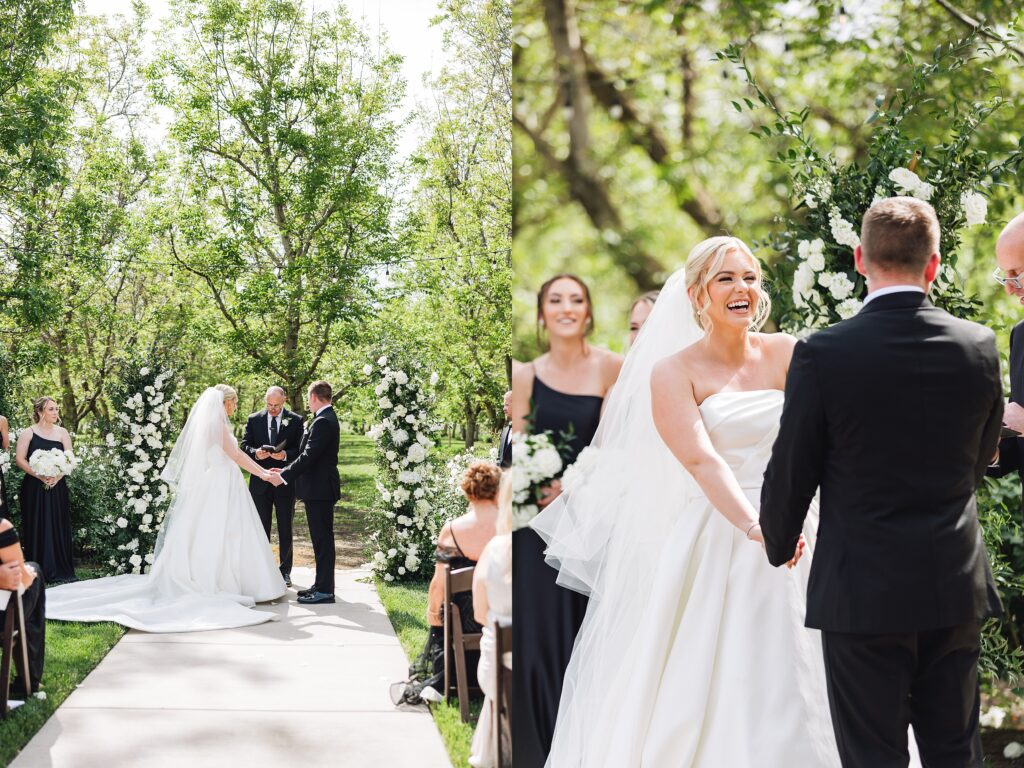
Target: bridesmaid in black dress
5 443
45 513
561 392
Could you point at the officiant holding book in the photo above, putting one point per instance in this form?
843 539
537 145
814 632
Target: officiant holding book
272 438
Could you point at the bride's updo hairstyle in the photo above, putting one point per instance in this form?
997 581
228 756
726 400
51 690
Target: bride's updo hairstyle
704 262
227 392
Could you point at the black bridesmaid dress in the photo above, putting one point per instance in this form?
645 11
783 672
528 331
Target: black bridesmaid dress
46 520
547 616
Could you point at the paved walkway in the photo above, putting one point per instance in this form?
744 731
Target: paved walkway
308 690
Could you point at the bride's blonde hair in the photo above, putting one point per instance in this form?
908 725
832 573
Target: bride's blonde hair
227 392
704 262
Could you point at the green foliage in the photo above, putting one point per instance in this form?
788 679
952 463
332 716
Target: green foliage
827 192
282 121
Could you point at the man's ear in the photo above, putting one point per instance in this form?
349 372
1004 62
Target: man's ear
932 269
858 260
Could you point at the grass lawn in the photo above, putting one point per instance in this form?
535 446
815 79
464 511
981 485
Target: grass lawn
406 605
72 650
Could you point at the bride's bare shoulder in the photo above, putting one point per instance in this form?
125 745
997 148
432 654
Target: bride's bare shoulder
671 375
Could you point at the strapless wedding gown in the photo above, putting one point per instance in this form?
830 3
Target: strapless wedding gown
215 564
708 664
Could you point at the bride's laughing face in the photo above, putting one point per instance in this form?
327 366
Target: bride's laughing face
734 291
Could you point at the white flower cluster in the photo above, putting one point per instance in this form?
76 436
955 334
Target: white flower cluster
535 462
818 190
993 718
5 460
145 424
909 183
843 232
53 463
403 437
577 472
975 208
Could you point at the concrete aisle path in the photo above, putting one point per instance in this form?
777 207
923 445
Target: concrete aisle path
309 690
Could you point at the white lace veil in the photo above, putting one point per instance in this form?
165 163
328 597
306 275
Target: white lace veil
197 447
636 488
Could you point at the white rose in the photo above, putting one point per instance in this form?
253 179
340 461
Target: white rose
840 286
388 577
144 372
400 437
392 552
135 560
401 378
384 403
122 523
975 208
434 378
849 308
382 360
1013 750
905 180
547 461
417 453
367 369
390 455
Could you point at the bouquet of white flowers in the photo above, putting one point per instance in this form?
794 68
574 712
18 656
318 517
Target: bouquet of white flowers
5 461
535 463
53 463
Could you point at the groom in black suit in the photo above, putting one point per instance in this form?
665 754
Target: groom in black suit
894 415
273 426
314 475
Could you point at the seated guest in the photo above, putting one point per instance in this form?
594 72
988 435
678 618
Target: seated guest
459 544
492 602
14 571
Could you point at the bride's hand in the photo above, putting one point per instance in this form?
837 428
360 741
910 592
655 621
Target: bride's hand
800 544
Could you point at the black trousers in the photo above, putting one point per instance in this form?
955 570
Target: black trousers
34 602
283 500
320 516
878 685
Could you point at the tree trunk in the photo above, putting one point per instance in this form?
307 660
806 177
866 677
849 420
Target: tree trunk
69 403
470 424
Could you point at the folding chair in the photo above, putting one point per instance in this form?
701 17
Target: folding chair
13 628
502 715
457 642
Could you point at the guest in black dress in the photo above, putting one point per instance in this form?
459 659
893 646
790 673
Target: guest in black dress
5 444
45 504
14 571
560 392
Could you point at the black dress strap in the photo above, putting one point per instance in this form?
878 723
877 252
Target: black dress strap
9 537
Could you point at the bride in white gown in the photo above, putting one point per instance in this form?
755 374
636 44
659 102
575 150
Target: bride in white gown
213 561
694 650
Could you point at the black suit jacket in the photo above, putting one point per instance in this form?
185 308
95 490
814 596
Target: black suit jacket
314 472
505 447
257 434
894 414
1011 450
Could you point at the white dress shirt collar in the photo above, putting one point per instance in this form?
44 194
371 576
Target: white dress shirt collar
892 289
321 410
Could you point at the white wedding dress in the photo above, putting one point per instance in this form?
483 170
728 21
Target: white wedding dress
693 652
213 561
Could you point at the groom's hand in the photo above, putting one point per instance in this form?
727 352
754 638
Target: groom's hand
279 456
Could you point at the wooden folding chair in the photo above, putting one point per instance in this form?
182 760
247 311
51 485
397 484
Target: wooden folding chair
502 715
457 642
13 629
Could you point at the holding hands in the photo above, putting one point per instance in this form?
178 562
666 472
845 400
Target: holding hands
754 534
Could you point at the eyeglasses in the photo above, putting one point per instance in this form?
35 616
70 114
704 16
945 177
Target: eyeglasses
1017 283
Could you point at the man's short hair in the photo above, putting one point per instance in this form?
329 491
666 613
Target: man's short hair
275 390
899 234
322 390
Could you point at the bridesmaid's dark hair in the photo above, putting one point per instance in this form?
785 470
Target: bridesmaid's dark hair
37 407
542 294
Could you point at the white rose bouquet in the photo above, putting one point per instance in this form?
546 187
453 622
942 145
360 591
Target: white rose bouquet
5 461
53 463
535 463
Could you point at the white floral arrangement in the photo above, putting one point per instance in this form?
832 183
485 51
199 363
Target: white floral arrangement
535 463
406 521
5 460
815 284
142 438
993 718
53 463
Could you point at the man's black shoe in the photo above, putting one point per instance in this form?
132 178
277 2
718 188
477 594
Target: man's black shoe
315 598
